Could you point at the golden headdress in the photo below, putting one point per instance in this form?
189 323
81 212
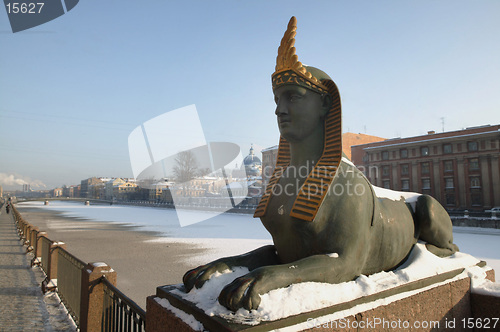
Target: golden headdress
289 70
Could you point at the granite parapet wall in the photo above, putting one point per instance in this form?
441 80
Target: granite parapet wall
449 305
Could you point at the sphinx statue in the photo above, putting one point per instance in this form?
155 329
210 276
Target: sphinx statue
327 222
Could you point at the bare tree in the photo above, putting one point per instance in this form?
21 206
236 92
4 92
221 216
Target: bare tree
185 168
204 171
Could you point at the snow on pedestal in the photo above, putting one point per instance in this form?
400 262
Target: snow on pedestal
422 269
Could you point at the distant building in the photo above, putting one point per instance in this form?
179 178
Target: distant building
126 191
209 184
109 187
67 191
245 188
71 191
84 186
270 155
252 163
56 192
97 190
350 139
460 169
236 188
157 189
76 190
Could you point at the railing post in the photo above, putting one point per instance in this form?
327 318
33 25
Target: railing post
50 265
22 224
33 238
38 252
91 307
54 256
26 234
26 230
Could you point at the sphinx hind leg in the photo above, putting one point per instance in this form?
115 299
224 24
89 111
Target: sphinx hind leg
435 226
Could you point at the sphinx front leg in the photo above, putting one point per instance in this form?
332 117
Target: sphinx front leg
261 256
245 291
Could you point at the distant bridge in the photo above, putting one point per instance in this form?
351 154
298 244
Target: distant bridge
76 199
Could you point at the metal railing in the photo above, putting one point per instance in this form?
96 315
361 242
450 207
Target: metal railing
119 312
69 281
45 254
33 240
21 224
26 228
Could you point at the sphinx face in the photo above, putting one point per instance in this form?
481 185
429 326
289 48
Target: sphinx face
300 112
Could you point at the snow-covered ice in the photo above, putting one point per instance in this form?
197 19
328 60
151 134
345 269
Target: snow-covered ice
231 234
220 235
161 220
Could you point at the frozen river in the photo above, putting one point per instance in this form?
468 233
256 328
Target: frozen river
241 231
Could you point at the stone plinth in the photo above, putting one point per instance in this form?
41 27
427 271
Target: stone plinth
432 303
92 295
484 306
38 252
160 319
54 257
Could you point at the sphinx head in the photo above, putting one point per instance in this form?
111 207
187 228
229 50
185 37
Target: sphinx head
301 110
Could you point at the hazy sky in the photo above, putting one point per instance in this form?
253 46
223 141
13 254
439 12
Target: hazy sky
73 89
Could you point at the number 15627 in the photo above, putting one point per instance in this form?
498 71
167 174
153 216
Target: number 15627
24 8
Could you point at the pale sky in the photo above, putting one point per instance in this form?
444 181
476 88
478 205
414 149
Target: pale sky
73 89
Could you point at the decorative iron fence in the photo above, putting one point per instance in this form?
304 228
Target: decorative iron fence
33 239
21 224
119 312
45 254
69 281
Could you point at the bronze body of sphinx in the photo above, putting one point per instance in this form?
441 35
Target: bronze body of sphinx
326 221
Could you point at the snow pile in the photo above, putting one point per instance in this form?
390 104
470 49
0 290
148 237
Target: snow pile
486 287
309 296
481 285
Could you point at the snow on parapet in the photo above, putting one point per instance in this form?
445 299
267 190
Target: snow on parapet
487 287
481 285
186 318
99 264
309 296
206 296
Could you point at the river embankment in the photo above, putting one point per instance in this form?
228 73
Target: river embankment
145 246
